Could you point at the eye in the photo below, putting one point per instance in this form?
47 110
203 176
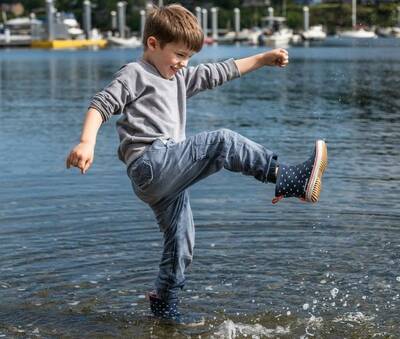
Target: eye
181 55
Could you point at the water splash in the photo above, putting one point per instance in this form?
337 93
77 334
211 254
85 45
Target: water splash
230 330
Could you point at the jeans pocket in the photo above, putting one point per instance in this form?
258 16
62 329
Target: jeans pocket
142 174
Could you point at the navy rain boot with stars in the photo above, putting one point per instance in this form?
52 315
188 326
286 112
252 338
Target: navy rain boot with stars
303 181
168 312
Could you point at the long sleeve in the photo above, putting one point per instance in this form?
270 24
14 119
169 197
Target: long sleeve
114 97
209 75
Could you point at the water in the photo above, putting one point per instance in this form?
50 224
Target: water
78 253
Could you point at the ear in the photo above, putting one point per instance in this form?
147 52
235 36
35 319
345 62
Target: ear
152 43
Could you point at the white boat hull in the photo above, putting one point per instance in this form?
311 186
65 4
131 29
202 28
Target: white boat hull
278 39
357 34
7 40
315 33
126 43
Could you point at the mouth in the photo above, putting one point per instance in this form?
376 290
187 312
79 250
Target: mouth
175 69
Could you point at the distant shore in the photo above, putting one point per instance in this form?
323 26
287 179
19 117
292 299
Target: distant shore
333 16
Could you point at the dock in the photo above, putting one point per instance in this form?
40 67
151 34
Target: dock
76 43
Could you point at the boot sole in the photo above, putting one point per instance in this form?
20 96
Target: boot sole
314 186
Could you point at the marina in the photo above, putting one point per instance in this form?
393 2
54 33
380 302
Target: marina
61 30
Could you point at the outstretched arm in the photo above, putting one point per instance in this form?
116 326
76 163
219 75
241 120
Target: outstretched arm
82 154
277 57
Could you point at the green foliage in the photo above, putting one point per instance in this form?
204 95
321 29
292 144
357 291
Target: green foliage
295 17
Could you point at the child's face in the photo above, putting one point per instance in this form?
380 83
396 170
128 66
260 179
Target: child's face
170 59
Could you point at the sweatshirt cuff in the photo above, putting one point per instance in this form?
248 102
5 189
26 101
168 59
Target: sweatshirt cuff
233 69
102 105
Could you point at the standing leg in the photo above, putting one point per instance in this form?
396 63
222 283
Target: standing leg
177 220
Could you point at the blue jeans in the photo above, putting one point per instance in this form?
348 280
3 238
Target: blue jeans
161 175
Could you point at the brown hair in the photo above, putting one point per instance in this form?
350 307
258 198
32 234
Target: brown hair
173 23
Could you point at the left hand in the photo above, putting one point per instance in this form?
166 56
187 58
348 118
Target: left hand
276 57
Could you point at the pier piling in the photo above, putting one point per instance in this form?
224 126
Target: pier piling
198 14
236 13
270 17
205 21
50 19
142 22
306 13
87 19
113 15
121 7
214 23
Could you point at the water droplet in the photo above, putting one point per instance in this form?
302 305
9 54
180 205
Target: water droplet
306 306
334 292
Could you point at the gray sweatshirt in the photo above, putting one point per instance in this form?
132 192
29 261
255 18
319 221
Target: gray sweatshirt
153 107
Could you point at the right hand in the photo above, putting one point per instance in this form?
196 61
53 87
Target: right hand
81 156
276 57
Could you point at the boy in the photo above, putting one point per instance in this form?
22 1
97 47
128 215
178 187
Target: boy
151 94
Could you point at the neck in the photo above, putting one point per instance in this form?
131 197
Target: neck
146 57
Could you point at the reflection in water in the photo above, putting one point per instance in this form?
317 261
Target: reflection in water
78 253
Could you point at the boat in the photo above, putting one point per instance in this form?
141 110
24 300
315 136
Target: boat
246 36
9 40
250 36
314 33
357 34
132 42
384 32
275 33
17 32
279 38
67 34
388 32
228 38
73 29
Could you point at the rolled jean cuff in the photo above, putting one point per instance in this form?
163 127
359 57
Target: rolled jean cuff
167 296
271 175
